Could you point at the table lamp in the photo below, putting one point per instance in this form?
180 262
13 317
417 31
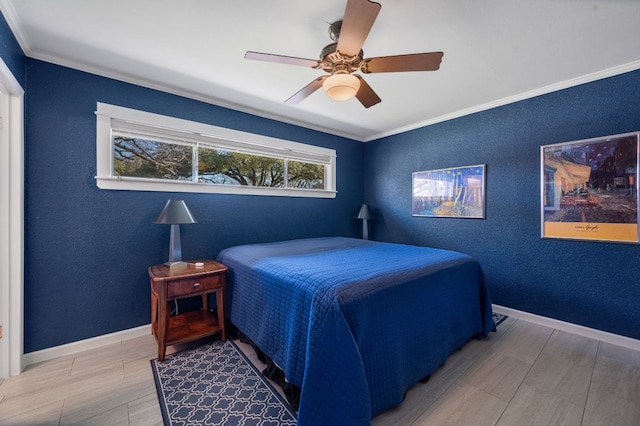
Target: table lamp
365 216
175 212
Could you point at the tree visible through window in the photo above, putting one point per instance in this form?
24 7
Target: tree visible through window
305 175
143 158
151 159
233 168
142 151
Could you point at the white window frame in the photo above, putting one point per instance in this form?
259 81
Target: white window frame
110 117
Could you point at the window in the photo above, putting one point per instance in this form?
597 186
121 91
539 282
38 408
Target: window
138 150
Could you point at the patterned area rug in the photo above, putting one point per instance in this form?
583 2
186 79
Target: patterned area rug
498 318
215 384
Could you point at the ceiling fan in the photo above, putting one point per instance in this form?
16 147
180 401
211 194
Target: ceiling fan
343 57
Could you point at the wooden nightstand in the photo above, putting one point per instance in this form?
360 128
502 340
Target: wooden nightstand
168 285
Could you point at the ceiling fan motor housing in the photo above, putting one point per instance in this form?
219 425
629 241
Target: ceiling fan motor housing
331 60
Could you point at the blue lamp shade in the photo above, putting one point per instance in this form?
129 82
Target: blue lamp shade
175 213
365 215
364 212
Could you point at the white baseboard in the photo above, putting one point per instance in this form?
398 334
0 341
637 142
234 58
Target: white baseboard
592 333
83 345
120 336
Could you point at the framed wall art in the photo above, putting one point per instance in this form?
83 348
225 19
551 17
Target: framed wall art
455 192
589 189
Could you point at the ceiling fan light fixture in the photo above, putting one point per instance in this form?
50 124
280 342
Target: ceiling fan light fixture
341 87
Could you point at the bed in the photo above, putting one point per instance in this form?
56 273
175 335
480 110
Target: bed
354 323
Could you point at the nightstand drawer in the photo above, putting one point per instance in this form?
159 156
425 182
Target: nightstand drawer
195 285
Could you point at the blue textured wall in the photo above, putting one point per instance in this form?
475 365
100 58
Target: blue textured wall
588 283
87 250
11 52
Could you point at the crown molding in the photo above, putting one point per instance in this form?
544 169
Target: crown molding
10 15
587 78
126 78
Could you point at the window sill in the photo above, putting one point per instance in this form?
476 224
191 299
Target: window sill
141 184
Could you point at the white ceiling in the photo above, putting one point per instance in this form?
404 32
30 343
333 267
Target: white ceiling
495 52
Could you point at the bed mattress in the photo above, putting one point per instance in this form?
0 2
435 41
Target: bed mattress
354 323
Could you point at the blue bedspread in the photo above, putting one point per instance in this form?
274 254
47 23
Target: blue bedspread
354 323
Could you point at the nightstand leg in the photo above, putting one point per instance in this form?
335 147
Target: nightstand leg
220 309
154 313
163 323
205 302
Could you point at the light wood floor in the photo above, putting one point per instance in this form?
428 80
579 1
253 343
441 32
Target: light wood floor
525 374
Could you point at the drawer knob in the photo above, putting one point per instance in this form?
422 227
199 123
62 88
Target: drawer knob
196 285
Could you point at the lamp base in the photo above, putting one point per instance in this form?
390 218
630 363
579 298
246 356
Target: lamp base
176 265
365 229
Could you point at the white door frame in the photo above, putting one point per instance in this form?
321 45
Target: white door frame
11 223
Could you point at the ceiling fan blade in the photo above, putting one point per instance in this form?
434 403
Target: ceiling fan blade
366 95
306 91
359 17
290 60
412 62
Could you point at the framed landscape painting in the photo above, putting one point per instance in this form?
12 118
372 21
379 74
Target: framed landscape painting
589 189
455 192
